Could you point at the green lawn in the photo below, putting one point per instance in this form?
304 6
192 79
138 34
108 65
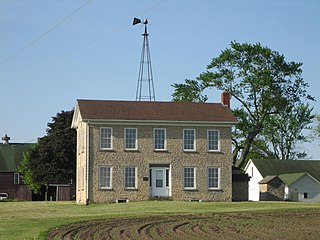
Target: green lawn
31 220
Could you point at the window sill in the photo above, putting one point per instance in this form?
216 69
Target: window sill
106 189
131 150
190 189
131 189
107 150
217 152
189 151
215 190
160 150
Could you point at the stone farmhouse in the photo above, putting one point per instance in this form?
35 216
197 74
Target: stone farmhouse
136 150
278 180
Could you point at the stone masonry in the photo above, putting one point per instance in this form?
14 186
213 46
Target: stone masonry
119 158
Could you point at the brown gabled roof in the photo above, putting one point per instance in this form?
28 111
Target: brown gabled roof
154 111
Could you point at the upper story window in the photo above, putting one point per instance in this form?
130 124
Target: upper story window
213 138
130 177
189 178
130 139
159 139
16 178
213 178
106 138
105 177
189 139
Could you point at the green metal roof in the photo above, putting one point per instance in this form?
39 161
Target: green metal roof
11 155
278 167
290 178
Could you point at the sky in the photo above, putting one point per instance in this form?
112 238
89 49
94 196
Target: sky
53 52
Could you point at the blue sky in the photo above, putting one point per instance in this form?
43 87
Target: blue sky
51 55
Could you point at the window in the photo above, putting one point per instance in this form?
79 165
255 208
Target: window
159 178
105 138
159 136
189 177
130 135
82 179
130 176
189 139
213 178
213 140
305 195
16 178
105 177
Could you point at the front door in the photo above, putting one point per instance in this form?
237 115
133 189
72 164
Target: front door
160 181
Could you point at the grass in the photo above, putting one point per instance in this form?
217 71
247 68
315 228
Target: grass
31 220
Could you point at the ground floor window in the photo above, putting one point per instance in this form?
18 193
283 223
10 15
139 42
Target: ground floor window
16 178
305 195
105 177
130 177
189 177
213 178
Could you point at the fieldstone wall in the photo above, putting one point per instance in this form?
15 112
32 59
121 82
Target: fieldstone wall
272 191
201 159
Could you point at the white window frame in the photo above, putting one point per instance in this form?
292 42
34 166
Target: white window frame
194 140
208 178
110 181
135 177
208 140
165 139
125 140
106 139
16 178
82 178
194 179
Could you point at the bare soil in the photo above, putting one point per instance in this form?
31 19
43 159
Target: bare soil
248 225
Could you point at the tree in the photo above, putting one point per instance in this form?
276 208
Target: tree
53 158
289 125
29 176
317 128
262 82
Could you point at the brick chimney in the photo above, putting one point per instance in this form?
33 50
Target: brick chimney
225 98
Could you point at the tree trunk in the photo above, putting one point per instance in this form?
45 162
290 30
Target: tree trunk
249 139
46 193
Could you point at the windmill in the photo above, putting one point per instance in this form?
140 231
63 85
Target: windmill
145 86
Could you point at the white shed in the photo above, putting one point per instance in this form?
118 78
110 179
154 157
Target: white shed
301 177
301 187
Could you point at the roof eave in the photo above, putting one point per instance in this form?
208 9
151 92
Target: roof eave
163 122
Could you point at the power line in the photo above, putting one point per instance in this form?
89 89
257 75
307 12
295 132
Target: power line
44 34
100 37
92 41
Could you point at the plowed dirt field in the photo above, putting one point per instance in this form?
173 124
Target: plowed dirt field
261 225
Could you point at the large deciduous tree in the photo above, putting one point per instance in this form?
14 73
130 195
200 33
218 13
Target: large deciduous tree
268 90
53 158
317 128
282 131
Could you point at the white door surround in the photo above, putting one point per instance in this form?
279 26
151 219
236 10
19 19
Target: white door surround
160 180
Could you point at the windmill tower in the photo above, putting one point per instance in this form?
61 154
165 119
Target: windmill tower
145 86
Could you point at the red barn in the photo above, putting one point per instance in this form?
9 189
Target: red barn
11 185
